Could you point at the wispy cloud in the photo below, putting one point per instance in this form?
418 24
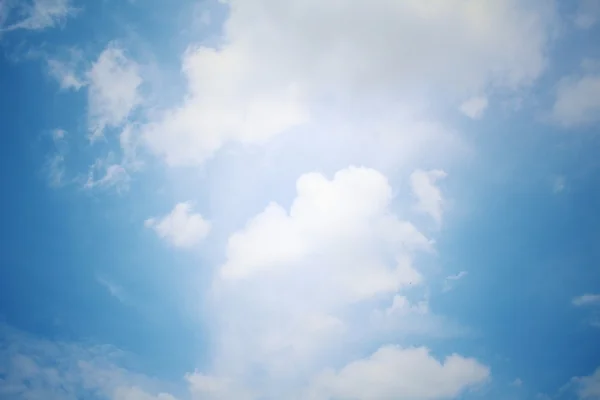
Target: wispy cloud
586 300
55 161
113 92
115 290
559 184
588 14
37 14
106 173
67 72
34 368
450 281
517 383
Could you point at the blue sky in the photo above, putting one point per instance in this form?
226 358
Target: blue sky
299 200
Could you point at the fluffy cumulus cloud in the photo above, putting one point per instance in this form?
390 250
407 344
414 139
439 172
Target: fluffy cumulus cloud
280 61
428 196
396 373
297 292
327 218
181 227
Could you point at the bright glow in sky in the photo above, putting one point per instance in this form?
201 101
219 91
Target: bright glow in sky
300 199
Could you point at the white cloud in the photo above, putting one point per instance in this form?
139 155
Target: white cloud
105 173
517 382
300 281
587 387
451 280
55 165
401 306
135 393
326 218
587 300
406 318
301 287
58 135
474 107
577 100
115 290
203 16
221 107
65 73
113 83
559 184
396 373
129 143
110 172
181 227
281 61
113 91
33 368
38 14
428 197
55 161
588 14
205 387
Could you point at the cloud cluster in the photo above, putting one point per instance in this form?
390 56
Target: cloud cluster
310 295
298 288
282 61
313 298
113 84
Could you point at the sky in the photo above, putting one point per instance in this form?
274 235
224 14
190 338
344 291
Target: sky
300 199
